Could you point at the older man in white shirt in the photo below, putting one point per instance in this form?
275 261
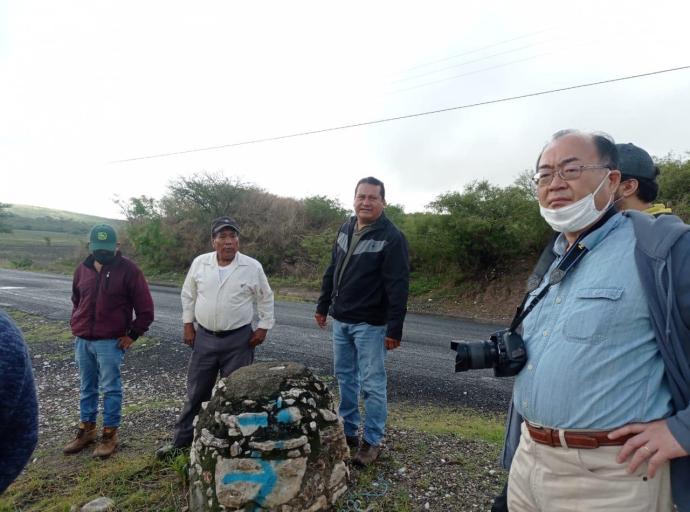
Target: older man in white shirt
218 294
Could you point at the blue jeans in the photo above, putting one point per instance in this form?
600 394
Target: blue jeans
99 365
359 359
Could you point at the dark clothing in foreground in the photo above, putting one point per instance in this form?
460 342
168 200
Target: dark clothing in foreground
209 355
104 301
375 284
18 403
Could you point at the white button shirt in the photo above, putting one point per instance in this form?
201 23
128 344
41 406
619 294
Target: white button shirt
226 305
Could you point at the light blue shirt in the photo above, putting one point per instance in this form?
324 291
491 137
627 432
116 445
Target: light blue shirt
592 358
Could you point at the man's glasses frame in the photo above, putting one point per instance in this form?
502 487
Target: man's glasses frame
567 173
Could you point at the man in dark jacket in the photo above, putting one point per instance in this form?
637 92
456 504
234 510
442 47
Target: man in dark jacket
107 288
365 290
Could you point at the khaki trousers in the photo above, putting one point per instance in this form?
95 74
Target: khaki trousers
554 479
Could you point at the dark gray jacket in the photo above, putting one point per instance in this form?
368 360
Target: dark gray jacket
662 255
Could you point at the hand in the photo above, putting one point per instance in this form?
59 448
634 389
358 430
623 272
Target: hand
392 344
258 337
658 440
189 335
124 342
321 320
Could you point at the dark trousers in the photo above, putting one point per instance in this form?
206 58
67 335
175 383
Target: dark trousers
209 356
501 501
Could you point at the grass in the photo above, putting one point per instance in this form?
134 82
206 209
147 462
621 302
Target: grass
41 250
141 483
461 423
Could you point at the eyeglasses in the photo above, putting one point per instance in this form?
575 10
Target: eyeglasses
569 172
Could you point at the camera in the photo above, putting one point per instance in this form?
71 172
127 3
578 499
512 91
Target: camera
504 351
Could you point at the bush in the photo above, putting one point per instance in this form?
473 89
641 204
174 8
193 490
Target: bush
22 263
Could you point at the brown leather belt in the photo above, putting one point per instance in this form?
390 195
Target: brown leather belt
575 439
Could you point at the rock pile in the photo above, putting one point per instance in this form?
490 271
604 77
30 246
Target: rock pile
268 440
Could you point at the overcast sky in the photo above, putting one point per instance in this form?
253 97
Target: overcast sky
84 84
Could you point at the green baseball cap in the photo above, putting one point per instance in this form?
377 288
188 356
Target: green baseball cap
103 238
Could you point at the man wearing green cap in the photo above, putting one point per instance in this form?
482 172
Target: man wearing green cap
107 288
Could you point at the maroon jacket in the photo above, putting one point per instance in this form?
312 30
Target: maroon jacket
104 301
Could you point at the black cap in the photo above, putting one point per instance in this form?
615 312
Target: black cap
636 162
222 223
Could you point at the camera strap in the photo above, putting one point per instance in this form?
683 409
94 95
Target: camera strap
571 258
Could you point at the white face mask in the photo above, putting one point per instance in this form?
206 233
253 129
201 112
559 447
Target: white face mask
577 216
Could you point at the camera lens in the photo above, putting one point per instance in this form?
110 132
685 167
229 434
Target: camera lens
474 355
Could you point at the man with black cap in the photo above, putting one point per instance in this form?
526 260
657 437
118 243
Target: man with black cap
638 188
218 294
107 288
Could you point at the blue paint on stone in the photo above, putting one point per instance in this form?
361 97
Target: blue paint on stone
284 416
280 402
256 455
258 420
267 479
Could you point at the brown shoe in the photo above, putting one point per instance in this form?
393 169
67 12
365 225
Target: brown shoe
108 443
87 435
367 454
352 441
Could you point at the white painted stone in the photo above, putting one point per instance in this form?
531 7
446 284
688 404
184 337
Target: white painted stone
99 505
337 494
204 405
295 443
307 449
328 415
266 446
312 425
235 449
339 472
207 439
312 403
288 478
249 429
249 403
294 454
289 401
296 392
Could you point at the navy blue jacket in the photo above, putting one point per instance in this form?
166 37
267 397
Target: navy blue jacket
376 281
18 403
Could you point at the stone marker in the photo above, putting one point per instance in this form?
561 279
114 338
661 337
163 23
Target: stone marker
268 440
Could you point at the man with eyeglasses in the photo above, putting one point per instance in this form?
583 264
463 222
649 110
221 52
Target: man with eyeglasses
218 295
636 191
601 421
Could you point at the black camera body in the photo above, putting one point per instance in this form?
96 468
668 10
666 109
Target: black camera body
504 351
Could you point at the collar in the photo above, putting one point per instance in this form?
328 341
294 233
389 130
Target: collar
610 221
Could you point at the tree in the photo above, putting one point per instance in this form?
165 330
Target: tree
674 183
322 212
4 215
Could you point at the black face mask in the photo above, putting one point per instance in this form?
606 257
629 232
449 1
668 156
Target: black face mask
104 257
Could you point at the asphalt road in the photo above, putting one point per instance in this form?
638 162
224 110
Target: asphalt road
421 370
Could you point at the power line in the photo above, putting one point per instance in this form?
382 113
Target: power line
473 51
378 121
475 60
488 69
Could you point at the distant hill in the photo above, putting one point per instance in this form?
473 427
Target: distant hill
36 218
